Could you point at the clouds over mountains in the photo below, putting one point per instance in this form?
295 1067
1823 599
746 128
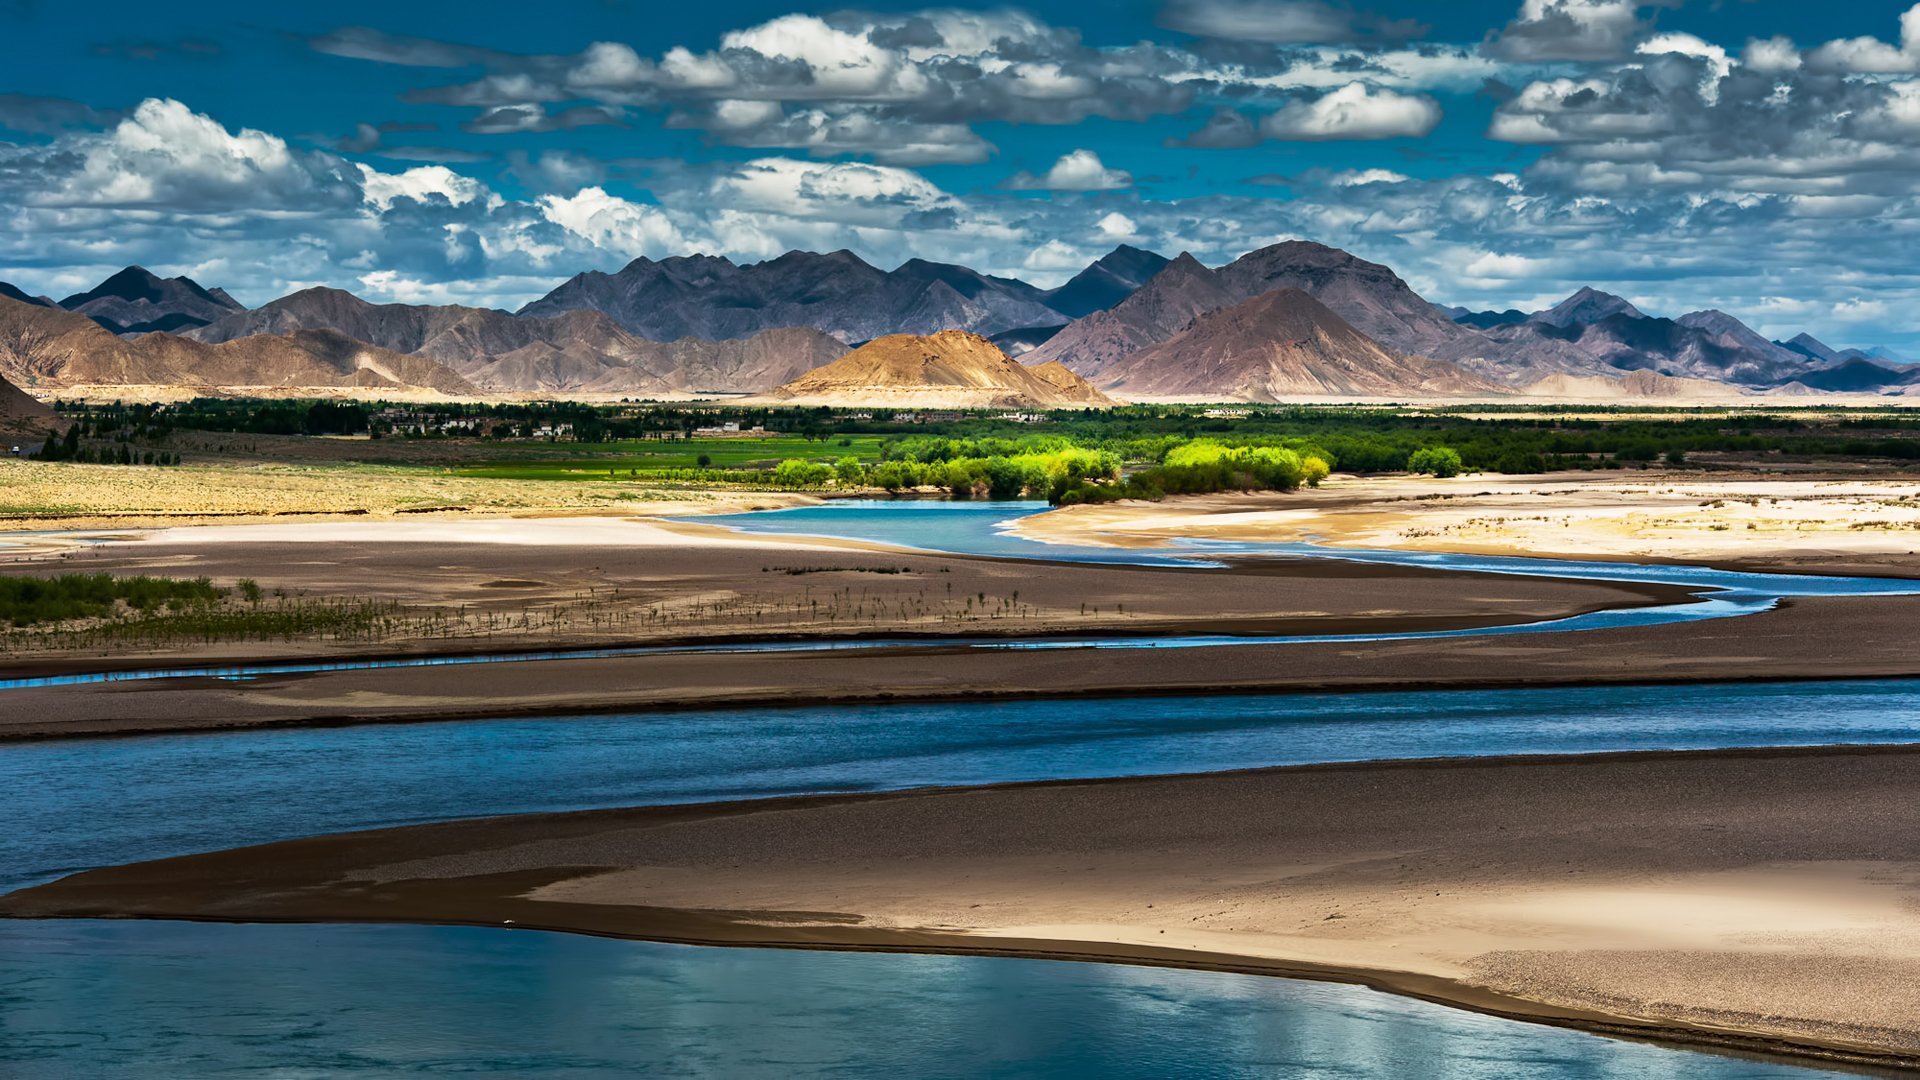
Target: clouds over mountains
1566 141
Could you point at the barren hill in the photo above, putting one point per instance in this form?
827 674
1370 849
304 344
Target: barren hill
51 347
950 369
1283 343
578 350
20 414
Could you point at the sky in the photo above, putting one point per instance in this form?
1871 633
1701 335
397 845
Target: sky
1761 157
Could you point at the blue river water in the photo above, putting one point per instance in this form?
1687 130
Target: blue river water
106 1001
127 999
172 999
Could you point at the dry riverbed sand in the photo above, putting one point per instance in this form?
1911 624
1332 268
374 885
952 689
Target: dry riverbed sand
1760 899
1834 524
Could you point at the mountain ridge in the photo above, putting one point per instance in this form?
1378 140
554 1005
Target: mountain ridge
1282 343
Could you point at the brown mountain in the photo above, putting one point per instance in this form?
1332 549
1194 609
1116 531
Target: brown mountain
950 369
746 365
1369 296
577 350
136 301
714 298
1281 344
20 414
51 347
1179 293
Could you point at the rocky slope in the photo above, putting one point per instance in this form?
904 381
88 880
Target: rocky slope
135 301
21 414
1111 279
13 292
56 348
1283 343
581 351
1368 296
839 293
1181 292
950 369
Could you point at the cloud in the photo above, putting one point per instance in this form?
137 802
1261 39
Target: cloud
422 184
1285 22
1354 112
1359 177
1226 129
513 119
860 131
167 155
1773 56
1548 30
366 43
1077 170
1674 122
610 222
1871 56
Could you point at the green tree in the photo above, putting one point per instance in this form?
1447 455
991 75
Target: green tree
1436 461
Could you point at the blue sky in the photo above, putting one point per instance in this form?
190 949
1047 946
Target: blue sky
1761 157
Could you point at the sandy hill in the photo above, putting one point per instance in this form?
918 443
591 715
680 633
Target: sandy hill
20 414
950 369
1281 344
578 350
51 347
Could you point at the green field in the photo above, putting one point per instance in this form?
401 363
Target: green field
623 460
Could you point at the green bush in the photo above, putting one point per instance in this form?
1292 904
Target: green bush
25 601
1437 461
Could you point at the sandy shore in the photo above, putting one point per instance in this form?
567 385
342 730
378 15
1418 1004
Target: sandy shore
1832 524
1762 899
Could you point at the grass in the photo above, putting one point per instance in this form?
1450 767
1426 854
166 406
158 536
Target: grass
28 601
636 459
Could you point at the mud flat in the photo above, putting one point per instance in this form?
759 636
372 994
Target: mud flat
1766 900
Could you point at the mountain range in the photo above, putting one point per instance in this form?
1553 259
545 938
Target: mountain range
1291 319
839 293
574 351
53 347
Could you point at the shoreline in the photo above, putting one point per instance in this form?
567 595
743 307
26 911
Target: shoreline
426 879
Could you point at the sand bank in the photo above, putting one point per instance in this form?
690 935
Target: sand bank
1808 639
1762 899
1807 525
511 585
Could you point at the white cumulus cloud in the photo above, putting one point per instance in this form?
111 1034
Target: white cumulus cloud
1077 170
1354 112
